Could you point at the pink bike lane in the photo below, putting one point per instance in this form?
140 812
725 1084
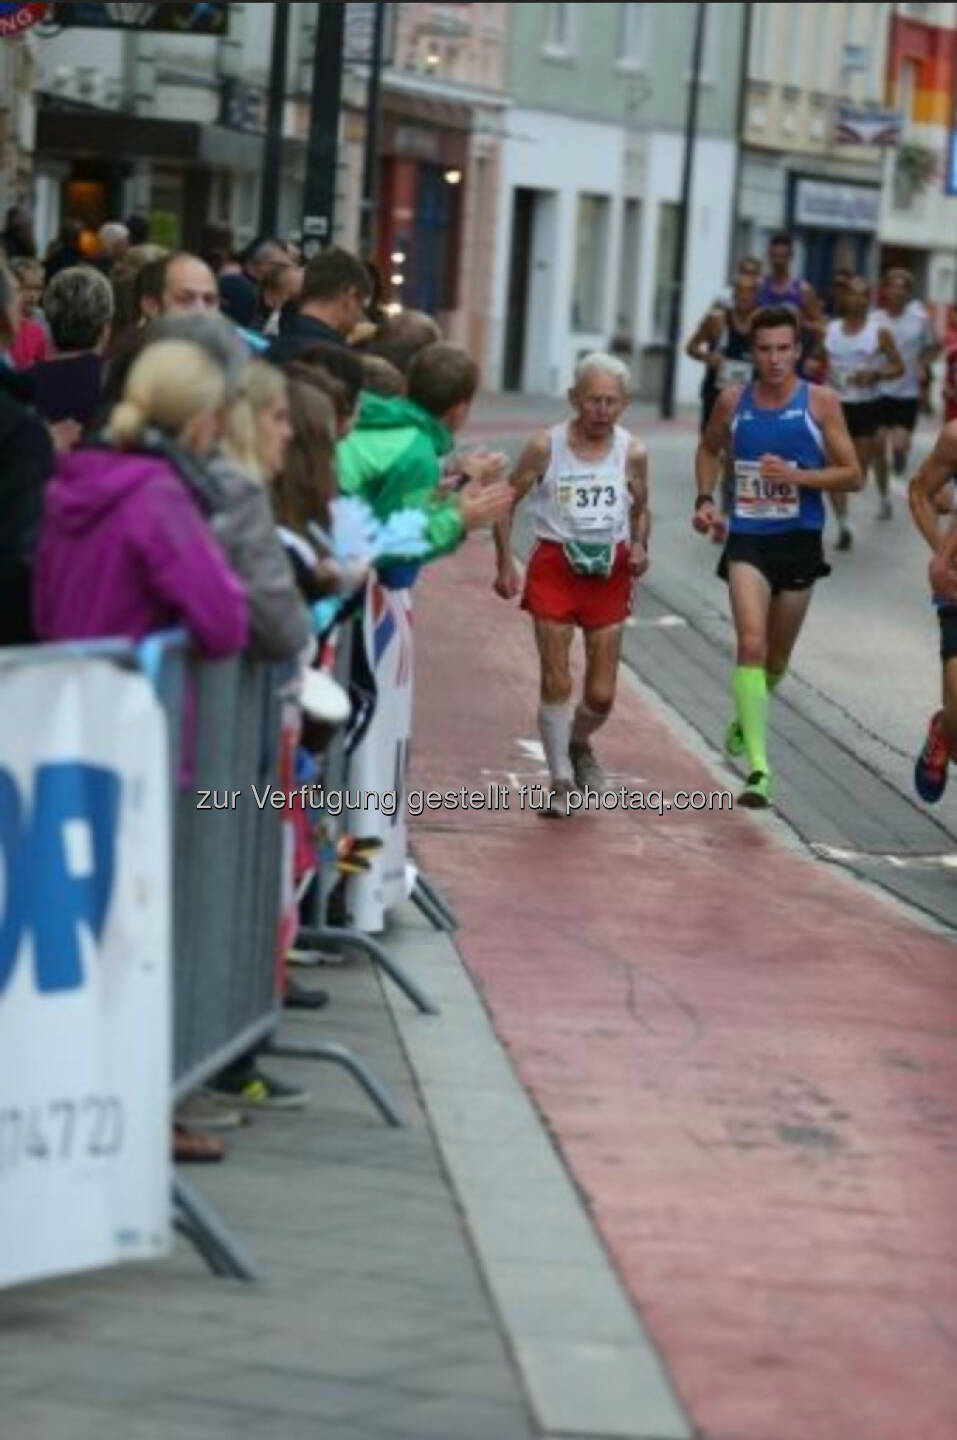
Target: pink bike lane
748 1062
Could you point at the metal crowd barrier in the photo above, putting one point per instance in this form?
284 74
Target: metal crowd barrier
224 725
228 892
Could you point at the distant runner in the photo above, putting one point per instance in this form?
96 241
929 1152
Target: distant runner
931 501
909 323
861 356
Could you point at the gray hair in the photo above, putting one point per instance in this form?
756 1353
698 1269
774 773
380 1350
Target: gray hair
598 362
113 233
78 304
212 333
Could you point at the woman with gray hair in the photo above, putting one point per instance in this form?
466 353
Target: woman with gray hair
78 305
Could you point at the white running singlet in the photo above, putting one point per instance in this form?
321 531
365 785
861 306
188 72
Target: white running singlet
584 500
914 334
848 354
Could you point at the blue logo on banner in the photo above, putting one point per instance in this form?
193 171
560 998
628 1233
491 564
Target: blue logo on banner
39 893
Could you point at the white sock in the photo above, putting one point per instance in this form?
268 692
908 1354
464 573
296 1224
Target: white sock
586 722
555 728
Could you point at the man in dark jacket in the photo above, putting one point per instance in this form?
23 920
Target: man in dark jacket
335 288
26 461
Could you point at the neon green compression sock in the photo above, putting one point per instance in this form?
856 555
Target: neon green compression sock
749 686
774 678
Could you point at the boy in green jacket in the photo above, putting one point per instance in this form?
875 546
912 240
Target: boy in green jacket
392 458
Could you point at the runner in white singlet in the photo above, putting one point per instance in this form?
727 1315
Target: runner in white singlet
588 479
861 355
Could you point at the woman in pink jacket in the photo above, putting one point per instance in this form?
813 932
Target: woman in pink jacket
125 548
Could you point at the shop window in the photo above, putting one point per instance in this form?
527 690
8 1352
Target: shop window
591 248
559 30
632 36
761 21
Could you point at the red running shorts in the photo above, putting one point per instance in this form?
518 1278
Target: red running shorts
554 591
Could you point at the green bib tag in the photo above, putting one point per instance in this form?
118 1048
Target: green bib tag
586 559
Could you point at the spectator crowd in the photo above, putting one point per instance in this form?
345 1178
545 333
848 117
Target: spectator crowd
175 432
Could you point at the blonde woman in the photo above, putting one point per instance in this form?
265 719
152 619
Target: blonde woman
125 548
251 456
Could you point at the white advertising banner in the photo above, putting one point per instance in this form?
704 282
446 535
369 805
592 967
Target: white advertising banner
377 768
84 969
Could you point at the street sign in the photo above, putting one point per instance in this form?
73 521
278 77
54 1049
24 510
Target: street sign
14 19
359 28
856 126
210 19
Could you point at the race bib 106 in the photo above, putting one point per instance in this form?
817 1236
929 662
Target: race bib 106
757 498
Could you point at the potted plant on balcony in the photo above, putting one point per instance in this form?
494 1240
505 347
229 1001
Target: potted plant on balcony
915 167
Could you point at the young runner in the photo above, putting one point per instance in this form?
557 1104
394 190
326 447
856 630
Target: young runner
789 446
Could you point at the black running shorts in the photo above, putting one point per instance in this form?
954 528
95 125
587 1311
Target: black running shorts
862 417
947 615
790 561
898 412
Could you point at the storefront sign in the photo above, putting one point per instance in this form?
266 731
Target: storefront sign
14 19
867 127
829 205
180 19
416 140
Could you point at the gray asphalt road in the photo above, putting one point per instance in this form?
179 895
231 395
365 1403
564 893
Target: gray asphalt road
865 677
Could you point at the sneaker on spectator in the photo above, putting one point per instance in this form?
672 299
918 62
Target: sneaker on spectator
303 997
251 1086
209 1111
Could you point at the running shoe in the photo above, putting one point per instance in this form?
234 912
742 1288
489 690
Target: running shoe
251 1086
930 769
844 540
886 512
734 739
557 808
756 794
588 773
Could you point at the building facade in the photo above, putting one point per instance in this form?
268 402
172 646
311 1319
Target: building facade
591 175
918 223
444 111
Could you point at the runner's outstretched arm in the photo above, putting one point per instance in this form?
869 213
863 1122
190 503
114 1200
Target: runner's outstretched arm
709 458
702 342
929 483
894 365
529 469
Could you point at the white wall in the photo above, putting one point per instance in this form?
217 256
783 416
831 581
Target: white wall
564 158
567 157
708 234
